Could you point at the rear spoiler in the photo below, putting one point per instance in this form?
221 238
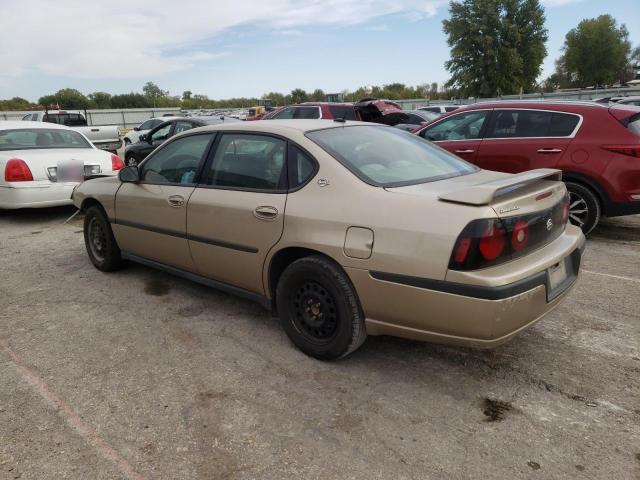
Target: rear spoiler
484 193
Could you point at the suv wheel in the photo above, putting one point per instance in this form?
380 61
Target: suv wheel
584 207
101 245
319 308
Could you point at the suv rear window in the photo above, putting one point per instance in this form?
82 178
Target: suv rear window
306 113
389 157
634 125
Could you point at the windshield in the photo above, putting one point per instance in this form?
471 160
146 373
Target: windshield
40 138
389 157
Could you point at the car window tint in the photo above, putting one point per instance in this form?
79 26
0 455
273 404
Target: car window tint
285 114
27 117
182 126
177 162
450 109
520 123
254 162
161 134
155 123
563 124
432 109
306 112
342 111
301 167
465 126
148 125
75 120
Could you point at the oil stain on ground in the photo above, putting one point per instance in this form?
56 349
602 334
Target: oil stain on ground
156 287
495 410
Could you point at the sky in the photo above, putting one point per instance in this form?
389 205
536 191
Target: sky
236 48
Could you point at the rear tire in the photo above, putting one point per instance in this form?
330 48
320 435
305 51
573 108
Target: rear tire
319 308
101 245
584 207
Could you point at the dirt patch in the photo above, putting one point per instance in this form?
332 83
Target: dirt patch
156 287
533 465
495 410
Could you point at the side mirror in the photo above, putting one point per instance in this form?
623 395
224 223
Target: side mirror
129 174
136 129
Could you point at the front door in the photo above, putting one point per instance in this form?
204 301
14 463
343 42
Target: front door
151 216
520 140
461 133
236 213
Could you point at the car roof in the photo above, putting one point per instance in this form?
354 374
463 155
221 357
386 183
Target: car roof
22 124
534 104
284 127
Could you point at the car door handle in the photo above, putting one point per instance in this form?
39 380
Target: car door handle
464 151
176 200
266 212
549 150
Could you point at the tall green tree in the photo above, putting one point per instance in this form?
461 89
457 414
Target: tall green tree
69 98
596 52
298 95
100 99
497 46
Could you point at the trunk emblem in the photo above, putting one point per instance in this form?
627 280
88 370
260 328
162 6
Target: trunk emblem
509 209
549 224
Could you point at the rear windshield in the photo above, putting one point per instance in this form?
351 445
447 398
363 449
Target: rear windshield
342 111
634 125
389 157
39 138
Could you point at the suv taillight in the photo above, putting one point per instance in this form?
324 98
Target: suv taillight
116 163
490 241
17 170
631 150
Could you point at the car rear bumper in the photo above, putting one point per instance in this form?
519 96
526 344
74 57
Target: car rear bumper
36 194
463 314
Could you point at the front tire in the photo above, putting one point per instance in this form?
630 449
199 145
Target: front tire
101 245
584 207
319 308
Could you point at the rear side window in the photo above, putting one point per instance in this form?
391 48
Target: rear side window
248 162
450 109
432 109
531 123
301 167
306 113
341 111
285 114
465 126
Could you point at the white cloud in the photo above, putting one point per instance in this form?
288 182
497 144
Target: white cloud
144 38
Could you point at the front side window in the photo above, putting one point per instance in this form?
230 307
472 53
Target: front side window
177 163
161 134
465 126
386 156
31 139
148 125
285 114
531 123
248 162
27 117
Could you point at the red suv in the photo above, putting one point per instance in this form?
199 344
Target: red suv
596 146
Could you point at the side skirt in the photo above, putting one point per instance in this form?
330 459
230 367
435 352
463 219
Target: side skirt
224 287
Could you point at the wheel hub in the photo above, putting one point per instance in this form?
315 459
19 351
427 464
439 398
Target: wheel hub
315 312
578 209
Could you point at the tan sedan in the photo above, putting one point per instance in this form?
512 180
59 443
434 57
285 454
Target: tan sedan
345 228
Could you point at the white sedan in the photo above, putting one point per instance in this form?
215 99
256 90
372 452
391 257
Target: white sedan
145 127
41 163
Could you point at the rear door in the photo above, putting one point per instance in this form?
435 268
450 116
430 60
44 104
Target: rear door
461 133
236 213
151 216
517 140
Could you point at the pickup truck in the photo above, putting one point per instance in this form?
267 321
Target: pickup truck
105 137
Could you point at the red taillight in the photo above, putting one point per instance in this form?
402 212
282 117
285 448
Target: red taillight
17 170
631 150
565 207
492 242
520 236
462 250
116 163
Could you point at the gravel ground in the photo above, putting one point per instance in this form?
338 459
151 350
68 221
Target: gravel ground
138 374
